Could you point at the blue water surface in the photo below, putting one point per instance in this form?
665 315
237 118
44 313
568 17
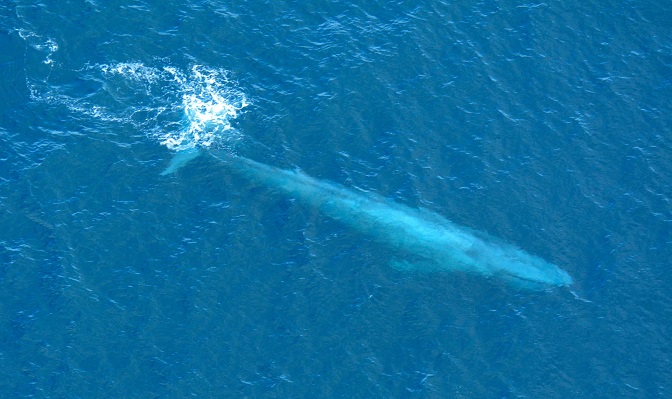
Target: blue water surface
544 124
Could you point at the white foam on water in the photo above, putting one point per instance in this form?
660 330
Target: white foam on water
44 45
40 48
179 109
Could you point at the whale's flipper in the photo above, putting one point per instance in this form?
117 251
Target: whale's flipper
180 159
416 266
403 266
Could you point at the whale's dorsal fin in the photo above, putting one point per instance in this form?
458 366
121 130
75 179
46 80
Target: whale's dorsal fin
180 159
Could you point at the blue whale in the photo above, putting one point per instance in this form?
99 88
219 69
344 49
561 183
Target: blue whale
421 240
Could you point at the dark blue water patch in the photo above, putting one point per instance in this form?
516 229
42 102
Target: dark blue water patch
12 66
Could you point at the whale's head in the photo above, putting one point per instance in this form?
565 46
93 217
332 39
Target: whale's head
523 269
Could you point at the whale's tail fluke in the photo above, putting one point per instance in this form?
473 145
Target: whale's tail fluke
180 159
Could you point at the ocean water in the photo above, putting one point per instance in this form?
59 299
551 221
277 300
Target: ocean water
546 125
